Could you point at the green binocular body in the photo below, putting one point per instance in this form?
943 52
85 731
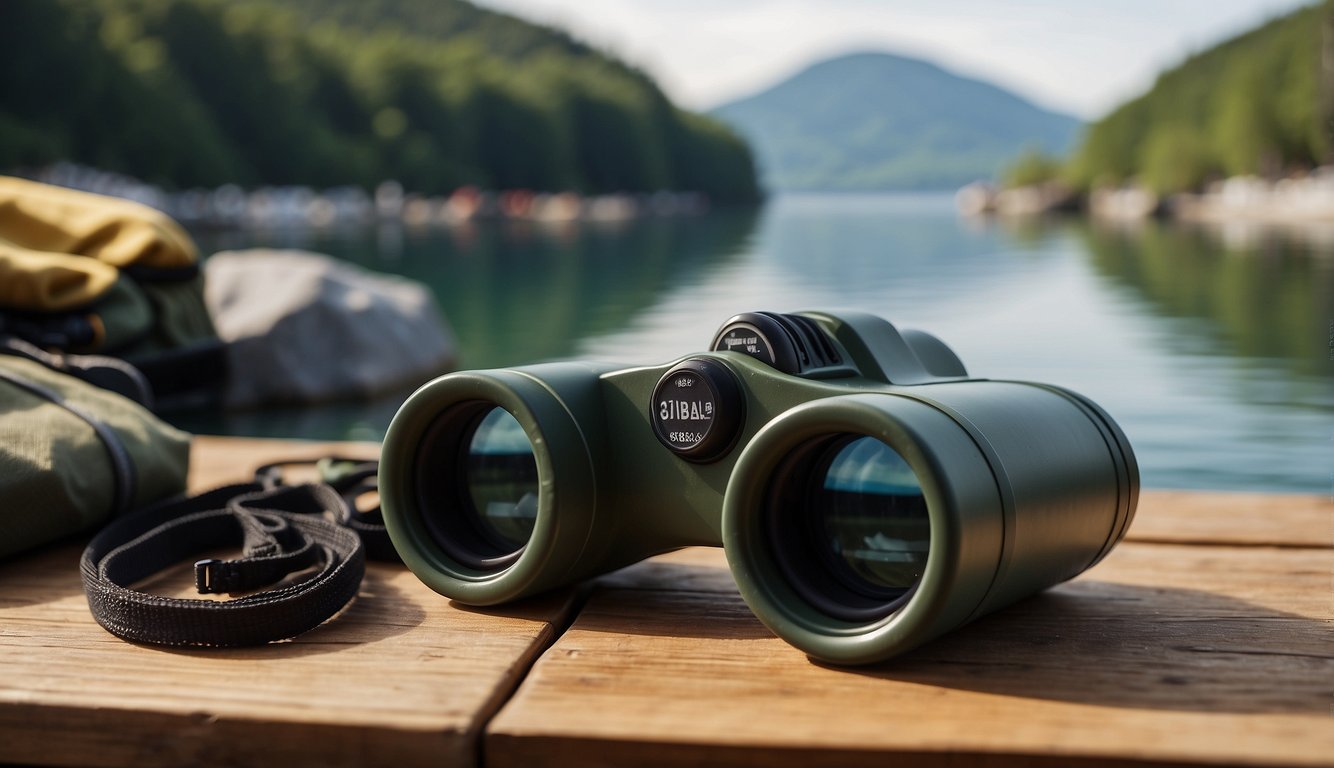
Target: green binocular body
868 494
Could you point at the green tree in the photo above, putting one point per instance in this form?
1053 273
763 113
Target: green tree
1032 167
434 93
1247 105
1174 158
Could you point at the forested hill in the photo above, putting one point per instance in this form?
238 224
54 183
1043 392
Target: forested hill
434 94
502 34
1253 104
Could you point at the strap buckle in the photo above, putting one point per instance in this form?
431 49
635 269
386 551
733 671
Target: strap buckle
212 577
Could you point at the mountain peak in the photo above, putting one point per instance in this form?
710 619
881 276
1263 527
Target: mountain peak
880 120
872 57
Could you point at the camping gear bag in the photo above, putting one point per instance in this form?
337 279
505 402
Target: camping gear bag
73 455
85 274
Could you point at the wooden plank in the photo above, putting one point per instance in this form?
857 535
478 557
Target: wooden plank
1163 654
401 677
1206 640
1258 519
218 460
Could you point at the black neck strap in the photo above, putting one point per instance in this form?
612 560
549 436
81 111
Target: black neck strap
303 542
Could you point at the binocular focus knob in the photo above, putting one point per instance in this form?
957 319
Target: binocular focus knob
789 343
697 410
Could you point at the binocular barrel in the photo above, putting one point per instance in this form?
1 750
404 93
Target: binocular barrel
860 518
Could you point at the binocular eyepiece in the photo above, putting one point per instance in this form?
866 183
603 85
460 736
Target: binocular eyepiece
868 493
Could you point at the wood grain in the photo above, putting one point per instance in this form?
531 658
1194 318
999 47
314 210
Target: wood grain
1259 519
401 677
1206 639
1168 654
218 460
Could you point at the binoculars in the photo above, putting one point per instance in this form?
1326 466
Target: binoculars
869 494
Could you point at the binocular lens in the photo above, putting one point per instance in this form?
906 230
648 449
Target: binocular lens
874 517
849 524
501 477
477 483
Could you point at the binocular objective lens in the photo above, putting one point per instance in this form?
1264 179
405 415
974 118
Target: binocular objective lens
477 485
501 476
874 518
849 527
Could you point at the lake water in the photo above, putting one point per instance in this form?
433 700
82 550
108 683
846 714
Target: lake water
1213 348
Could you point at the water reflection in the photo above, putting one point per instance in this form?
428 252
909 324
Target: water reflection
517 292
907 257
1211 351
513 292
1209 355
861 246
1267 295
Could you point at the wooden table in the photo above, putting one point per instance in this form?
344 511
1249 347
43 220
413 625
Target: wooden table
1205 639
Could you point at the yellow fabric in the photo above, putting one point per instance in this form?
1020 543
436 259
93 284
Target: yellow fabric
40 280
60 248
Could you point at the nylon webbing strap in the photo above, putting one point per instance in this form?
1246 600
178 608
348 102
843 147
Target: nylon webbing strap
296 538
351 478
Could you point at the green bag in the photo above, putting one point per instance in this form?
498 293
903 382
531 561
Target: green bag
72 455
88 274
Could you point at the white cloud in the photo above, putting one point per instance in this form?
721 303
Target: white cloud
1080 57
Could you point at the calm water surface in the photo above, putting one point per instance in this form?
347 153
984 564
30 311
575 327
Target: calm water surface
1212 348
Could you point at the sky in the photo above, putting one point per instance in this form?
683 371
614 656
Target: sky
1075 56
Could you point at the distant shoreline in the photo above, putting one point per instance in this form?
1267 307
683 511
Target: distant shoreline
1306 198
233 207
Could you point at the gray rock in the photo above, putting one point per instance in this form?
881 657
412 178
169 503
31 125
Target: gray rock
303 327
